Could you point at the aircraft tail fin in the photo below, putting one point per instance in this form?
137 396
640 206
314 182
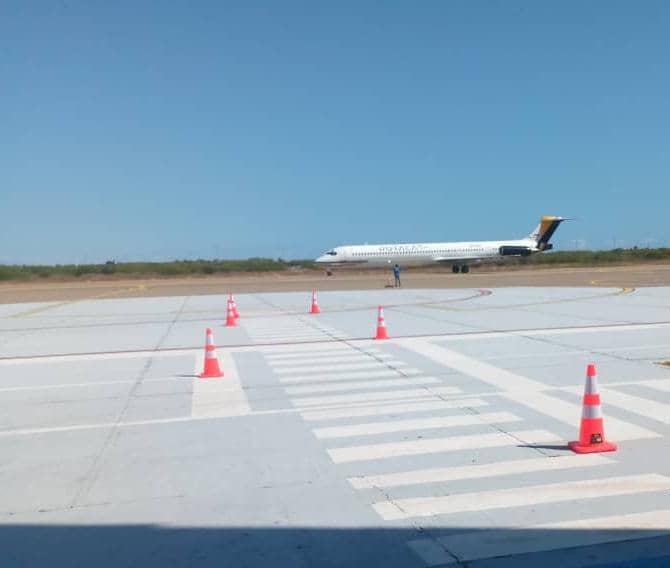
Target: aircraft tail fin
545 230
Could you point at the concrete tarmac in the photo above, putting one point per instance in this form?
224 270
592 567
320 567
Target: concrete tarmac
443 446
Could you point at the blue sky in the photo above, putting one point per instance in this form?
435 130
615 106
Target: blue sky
162 130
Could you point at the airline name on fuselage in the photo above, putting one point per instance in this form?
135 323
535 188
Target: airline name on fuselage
394 249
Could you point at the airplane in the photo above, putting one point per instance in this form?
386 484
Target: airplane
459 255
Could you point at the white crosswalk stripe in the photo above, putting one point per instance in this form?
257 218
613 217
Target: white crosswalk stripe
397 382
349 358
658 384
350 376
439 445
318 352
643 406
478 471
523 496
374 428
349 397
390 409
339 368
370 396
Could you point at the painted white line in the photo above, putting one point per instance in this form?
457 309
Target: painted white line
374 396
307 349
439 445
398 381
96 357
288 335
338 368
219 397
479 545
523 390
658 411
434 422
350 376
546 331
570 413
499 378
657 384
318 353
497 469
596 329
522 496
84 385
344 359
129 424
391 409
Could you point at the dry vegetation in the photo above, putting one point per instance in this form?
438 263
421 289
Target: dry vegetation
114 270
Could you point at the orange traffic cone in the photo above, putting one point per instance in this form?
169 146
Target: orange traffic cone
230 315
315 304
591 431
381 325
211 370
231 298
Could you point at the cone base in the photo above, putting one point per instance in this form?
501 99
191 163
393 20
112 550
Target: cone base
213 376
592 448
381 334
315 311
231 322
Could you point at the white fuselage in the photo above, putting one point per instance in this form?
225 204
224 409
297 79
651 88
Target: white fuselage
427 253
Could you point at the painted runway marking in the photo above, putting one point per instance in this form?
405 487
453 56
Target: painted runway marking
480 471
351 376
401 382
307 349
479 544
344 359
436 422
374 396
319 353
351 343
658 411
132 423
428 404
570 413
521 496
219 397
40 360
499 378
658 384
439 445
338 368
83 385
522 390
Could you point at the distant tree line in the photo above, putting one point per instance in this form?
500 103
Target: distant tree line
144 269
204 267
599 257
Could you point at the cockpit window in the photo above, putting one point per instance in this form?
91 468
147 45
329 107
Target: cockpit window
332 253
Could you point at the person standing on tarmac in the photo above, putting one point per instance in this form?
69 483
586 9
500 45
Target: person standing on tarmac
396 274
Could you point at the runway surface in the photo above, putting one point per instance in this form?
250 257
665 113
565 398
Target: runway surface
443 446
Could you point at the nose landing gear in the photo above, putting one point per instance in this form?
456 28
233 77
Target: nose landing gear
456 268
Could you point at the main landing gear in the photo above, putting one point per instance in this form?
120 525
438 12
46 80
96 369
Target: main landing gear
456 268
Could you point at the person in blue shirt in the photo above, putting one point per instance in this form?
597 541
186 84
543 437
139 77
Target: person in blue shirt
396 274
